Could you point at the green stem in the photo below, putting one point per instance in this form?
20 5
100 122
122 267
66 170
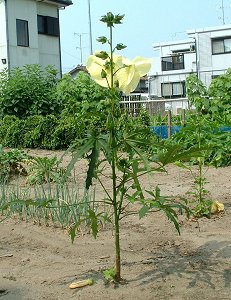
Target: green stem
113 167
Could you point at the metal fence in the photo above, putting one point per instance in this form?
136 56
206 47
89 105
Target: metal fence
133 104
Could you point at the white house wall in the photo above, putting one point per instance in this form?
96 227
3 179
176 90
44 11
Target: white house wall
3 37
49 46
43 49
24 10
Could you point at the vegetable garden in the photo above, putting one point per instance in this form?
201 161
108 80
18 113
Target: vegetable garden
104 168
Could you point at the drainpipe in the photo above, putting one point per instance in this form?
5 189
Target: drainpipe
60 59
197 55
7 37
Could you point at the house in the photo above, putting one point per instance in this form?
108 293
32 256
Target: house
206 53
30 32
79 68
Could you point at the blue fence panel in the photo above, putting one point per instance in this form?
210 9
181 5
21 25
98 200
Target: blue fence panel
162 131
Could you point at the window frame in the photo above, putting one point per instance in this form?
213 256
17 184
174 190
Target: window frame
174 65
220 39
49 25
23 35
171 85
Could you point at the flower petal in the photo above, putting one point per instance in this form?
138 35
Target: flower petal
142 64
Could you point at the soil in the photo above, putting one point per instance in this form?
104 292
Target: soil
39 262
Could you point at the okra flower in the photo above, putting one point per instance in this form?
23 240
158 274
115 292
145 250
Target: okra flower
99 69
126 73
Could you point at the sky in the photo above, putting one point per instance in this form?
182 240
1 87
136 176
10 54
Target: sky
146 22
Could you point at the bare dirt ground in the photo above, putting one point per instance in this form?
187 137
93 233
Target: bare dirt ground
39 262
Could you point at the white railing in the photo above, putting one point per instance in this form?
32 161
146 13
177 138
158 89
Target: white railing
154 106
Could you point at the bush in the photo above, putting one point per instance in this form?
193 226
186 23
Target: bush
29 91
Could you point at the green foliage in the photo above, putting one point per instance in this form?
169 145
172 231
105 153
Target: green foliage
29 91
214 102
72 92
196 92
11 131
33 132
10 163
44 169
220 97
69 130
109 274
217 142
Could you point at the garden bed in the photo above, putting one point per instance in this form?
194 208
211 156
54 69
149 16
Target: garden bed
39 262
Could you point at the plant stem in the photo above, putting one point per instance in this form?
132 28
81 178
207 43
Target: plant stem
113 167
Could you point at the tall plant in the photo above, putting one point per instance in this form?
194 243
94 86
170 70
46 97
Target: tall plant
124 150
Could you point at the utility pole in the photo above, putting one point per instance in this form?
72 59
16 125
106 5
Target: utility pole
90 31
223 11
80 46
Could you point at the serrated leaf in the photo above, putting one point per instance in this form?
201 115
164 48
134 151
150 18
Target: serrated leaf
94 223
78 154
72 232
93 160
143 211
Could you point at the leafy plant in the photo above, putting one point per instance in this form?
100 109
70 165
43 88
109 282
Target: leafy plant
109 274
11 163
44 169
123 150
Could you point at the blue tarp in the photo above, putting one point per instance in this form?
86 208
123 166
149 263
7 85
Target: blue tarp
162 131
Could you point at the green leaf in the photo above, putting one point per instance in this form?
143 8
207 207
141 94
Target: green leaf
72 232
102 39
143 211
79 154
102 54
94 222
93 160
120 46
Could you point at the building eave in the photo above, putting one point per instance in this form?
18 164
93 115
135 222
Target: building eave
172 43
209 29
59 3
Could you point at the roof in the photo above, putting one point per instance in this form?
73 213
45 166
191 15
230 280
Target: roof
209 29
78 69
60 2
172 43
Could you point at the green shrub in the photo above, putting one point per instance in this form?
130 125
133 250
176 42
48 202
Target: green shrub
33 131
30 90
68 130
5 123
15 134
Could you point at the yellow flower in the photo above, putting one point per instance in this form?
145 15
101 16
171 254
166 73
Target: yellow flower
129 76
217 207
96 65
127 73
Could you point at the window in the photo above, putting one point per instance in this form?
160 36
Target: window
48 25
175 62
173 89
22 33
221 45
